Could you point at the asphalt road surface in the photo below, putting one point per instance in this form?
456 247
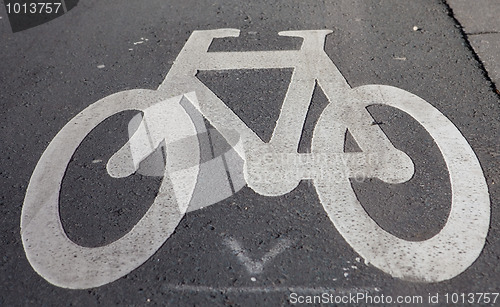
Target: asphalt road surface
248 249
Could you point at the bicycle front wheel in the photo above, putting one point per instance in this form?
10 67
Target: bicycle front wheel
459 242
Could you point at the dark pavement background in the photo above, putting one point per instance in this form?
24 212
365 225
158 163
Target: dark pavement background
50 73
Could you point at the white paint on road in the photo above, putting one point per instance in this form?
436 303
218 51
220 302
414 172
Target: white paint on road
459 242
51 253
282 289
272 169
256 266
275 168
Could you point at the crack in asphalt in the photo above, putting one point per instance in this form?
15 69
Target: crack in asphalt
468 45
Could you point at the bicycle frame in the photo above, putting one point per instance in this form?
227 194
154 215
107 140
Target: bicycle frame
284 166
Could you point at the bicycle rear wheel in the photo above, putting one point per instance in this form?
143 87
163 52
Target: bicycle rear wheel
50 252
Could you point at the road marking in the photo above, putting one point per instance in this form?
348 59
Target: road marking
275 168
295 289
270 169
66 264
256 266
220 167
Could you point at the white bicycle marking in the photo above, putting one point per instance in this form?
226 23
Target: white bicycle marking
272 168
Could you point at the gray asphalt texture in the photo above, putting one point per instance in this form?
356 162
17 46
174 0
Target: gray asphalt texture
49 73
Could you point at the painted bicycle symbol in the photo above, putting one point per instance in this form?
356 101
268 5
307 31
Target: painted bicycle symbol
458 244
